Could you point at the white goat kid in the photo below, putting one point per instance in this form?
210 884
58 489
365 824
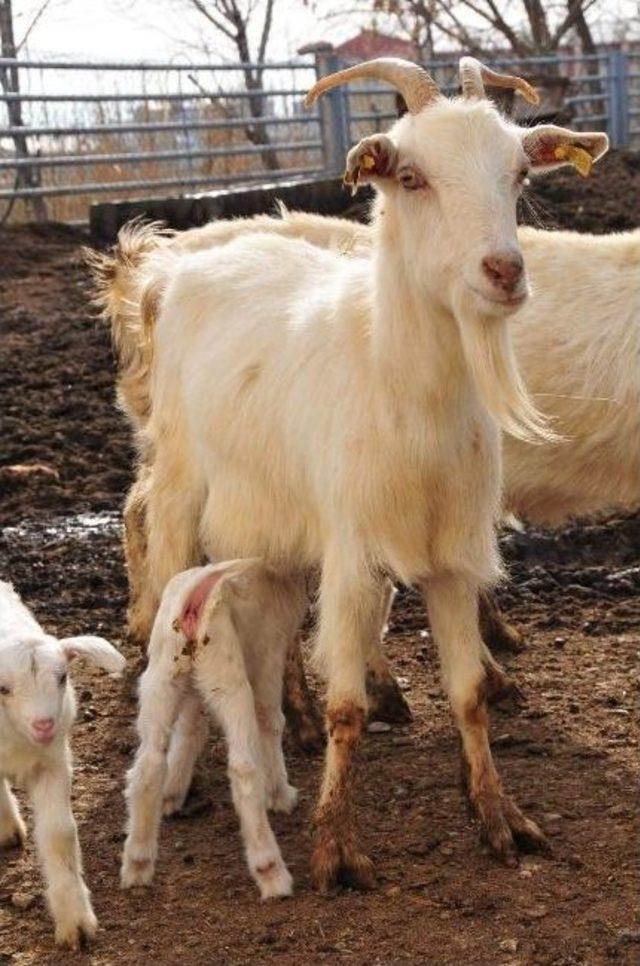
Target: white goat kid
37 709
308 408
218 644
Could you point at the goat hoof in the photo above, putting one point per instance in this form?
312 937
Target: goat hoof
501 689
274 880
504 637
386 700
307 732
333 864
507 831
14 839
283 799
76 934
172 803
136 872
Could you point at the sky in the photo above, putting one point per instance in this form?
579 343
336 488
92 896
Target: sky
145 29
167 29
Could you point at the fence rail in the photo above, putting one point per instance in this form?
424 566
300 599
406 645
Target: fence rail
73 130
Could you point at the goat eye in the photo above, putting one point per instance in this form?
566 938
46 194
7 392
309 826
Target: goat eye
522 176
411 179
63 679
4 690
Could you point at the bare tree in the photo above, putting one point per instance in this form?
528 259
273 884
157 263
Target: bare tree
235 20
27 176
528 28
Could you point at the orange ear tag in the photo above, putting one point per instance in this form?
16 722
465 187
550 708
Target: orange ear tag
578 157
368 162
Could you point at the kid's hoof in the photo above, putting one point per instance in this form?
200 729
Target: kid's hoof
136 872
283 799
274 880
77 933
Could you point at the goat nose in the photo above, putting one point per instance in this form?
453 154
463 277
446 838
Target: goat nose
504 269
43 728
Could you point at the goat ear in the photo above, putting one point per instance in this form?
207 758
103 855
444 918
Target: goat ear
372 158
94 649
549 147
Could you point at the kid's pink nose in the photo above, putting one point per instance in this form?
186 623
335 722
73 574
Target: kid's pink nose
43 728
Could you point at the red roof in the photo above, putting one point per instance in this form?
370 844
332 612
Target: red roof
370 43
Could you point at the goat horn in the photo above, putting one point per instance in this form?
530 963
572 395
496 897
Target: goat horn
414 83
474 75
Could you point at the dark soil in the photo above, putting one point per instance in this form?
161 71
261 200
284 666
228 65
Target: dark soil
609 200
570 757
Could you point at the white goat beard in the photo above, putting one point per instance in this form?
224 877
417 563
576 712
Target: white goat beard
488 351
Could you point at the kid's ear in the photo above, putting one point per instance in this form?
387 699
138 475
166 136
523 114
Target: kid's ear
95 650
373 158
549 147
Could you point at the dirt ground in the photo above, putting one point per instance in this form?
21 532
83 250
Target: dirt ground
570 756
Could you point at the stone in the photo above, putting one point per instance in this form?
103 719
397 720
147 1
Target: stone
509 945
378 727
23 900
535 912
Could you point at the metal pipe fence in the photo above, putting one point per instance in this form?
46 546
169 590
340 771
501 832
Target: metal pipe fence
73 130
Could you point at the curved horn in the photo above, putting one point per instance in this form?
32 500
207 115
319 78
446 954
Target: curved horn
416 86
474 75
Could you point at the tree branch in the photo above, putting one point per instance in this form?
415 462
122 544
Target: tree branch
201 8
33 23
266 30
576 12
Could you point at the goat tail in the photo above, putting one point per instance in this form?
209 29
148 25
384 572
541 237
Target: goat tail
126 296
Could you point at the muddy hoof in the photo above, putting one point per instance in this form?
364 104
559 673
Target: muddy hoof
307 733
505 637
502 690
507 831
386 700
334 864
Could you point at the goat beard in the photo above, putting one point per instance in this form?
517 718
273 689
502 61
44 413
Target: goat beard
489 354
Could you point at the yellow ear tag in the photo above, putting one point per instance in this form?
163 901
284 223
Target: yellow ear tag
367 161
578 157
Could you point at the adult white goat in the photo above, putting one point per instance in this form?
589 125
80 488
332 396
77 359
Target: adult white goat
580 359
315 409
37 708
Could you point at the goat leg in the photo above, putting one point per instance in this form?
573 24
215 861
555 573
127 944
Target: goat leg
299 705
497 633
349 615
469 679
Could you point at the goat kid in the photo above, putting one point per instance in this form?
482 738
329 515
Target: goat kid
37 709
218 644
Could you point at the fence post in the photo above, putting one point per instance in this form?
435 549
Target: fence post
334 111
618 70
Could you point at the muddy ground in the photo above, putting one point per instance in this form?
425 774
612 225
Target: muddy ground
570 757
